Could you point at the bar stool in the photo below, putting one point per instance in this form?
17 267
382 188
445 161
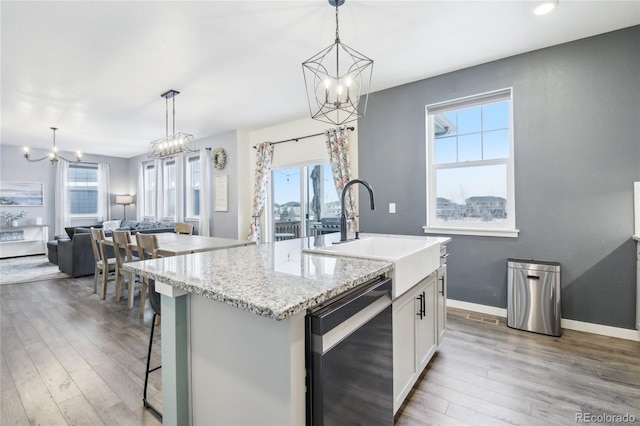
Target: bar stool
148 249
104 265
122 246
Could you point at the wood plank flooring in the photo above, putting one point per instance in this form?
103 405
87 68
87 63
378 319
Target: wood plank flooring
488 374
70 358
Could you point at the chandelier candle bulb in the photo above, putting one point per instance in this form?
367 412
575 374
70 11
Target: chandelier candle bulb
352 69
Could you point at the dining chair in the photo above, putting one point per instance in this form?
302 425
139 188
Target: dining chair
123 247
148 249
104 265
183 228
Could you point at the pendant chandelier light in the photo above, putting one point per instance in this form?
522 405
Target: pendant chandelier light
53 155
177 143
336 78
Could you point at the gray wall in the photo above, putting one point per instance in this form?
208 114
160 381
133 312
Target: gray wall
222 224
13 167
577 154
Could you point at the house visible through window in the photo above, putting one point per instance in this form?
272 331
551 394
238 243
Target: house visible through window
83 189
470 181
303 200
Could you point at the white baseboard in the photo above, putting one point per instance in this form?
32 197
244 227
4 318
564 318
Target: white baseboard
476 307
604 330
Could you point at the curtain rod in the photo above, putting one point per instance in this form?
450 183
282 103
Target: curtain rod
303 137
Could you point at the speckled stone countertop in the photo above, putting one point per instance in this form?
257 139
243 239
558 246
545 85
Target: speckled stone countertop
275 280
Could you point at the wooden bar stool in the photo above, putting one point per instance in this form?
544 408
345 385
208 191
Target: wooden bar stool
104 265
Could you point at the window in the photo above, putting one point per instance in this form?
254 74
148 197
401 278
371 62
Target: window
149 185
193 187
470 177
303 198
169 180
83 189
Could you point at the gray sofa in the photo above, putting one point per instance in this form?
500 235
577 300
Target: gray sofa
75 255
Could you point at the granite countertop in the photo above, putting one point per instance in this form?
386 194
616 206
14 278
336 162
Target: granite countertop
275 280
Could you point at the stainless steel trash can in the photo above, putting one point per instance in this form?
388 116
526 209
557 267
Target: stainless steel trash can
533 296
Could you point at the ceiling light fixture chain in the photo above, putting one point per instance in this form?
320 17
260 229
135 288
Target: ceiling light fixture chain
340 98
53 156
177 143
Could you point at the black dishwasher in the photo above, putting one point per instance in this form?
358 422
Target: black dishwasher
349 357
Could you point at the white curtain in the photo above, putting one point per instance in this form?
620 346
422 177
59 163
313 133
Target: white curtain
205 193
140 196
264 155
104 192
63 210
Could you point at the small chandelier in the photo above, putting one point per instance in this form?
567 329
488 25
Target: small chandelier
177 143
334 98
53 155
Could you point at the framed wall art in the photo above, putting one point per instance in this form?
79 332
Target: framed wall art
221 193
29 194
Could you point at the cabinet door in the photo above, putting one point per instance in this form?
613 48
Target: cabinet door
404 353
426 323
442 302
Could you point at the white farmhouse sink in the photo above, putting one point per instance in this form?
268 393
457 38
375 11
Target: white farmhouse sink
414 259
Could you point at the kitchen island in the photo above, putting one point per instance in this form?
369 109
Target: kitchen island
233 334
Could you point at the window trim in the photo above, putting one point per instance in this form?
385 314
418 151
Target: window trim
154 200
166 199
508 229
188 186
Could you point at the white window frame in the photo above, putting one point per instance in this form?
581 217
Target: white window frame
166 189
70 185
147 198
190 185
504 229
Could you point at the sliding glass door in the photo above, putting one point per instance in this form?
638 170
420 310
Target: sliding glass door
304 201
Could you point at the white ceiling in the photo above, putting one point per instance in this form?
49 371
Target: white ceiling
96 69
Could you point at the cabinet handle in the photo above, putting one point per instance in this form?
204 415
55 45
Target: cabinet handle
424 304
441 291
421 309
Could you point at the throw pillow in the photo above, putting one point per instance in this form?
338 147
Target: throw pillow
110 225
70 230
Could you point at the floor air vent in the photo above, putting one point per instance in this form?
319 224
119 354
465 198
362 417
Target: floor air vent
480 318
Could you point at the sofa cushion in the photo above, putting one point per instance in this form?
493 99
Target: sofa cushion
146 225
110 225
128 224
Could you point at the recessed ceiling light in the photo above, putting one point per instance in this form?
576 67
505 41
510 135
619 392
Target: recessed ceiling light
545 7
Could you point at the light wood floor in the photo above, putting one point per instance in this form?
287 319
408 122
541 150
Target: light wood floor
70 358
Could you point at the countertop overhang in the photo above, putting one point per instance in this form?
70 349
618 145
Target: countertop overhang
274 280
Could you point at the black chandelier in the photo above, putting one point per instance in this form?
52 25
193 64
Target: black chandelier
336 78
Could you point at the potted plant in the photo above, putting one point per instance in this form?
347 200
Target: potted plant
12 219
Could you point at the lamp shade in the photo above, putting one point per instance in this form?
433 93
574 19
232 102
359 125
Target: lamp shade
124 199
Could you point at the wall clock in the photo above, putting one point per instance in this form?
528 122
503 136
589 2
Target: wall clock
218 158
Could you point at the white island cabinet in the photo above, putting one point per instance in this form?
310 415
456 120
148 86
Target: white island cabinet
414 336
233 335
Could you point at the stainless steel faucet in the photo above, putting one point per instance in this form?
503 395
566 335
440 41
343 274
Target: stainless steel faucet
343 209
